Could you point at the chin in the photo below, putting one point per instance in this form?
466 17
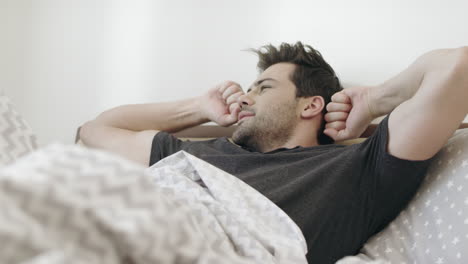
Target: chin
242 134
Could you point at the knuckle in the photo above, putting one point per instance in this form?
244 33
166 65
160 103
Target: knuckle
234 97
340 98
232 83
233 107
333 125
232 89
336 96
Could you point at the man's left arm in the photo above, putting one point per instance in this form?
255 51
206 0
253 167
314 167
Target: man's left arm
428 101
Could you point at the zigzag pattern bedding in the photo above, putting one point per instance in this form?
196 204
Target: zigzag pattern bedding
16 137
68 204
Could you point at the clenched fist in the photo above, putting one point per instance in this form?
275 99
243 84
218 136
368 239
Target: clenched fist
349 113
220 103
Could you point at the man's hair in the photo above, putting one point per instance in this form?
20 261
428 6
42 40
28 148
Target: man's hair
312 76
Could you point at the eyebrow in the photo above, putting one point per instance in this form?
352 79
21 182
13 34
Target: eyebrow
257 83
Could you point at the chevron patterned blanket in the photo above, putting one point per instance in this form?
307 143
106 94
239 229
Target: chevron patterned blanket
69 204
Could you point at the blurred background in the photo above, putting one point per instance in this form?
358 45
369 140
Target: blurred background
63 62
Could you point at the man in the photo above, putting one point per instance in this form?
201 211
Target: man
338 195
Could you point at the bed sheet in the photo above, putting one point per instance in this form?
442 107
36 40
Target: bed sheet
69 204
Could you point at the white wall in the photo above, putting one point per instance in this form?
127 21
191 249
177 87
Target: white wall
63 62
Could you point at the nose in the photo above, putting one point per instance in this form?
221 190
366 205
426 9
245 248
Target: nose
245 100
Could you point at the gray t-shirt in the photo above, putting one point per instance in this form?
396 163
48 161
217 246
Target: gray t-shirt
338 195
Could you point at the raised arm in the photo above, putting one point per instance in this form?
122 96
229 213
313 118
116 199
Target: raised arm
428 100
128 130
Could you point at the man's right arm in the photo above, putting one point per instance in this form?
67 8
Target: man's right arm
129 130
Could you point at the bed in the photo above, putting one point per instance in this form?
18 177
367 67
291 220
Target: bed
434 226
66 203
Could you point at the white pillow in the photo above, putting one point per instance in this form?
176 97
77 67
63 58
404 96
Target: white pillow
434 226
16 137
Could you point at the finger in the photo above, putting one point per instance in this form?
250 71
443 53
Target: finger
338 125
231 117
341 97
338 107
231 90
336 135
233 97
331 132
336 116
235 112
343 135
234 109
226 84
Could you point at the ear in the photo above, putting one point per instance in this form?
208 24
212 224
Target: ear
312 106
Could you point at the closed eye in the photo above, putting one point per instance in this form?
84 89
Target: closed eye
264 87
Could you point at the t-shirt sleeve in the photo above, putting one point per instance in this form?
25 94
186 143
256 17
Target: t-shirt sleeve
163 145
392 181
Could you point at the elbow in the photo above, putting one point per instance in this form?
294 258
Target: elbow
460 78
464 52
85 133
461 63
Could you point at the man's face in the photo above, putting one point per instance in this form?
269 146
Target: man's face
269 109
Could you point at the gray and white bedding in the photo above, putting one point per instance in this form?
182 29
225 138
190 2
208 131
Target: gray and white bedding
69 204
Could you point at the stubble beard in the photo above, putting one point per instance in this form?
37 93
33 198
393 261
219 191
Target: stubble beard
269 131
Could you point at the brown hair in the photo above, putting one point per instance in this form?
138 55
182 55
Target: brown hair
312 76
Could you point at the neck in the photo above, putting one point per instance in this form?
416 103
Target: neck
300 136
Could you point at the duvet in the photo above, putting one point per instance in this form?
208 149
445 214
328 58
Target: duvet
69 204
